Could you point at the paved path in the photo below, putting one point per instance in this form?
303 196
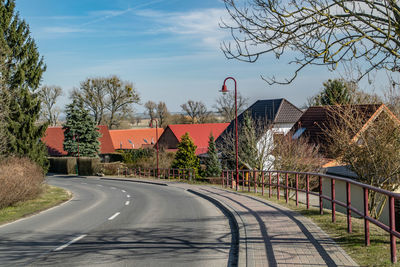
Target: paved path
273 235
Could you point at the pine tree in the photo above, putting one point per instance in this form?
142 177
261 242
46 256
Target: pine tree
213 166
80 130
335 92
23 69
185 157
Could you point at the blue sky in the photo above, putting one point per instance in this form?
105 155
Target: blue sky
170 50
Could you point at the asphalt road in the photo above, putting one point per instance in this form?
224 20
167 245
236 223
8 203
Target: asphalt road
114 223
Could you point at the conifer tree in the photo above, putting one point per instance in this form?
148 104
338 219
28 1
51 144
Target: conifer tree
185 157
213 166
23 69
80 130
248 142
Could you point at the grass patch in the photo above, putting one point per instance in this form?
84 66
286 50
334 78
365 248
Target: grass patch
377 254
50 196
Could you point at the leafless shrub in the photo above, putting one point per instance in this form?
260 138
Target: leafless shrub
20 180
369 146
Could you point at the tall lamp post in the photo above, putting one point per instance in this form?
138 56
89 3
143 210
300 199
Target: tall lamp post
225 90
151 125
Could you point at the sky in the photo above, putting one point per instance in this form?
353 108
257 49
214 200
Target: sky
169 49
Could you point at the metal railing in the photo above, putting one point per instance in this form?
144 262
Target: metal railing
161 173
279 180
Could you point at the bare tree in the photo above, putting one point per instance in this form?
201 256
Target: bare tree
322 32
120 97
151 109
196 111
371 151
162 114
109 99
48 96
225 105
93 93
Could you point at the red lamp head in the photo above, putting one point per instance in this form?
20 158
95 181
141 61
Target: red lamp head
224 89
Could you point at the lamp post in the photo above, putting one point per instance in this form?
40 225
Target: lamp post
225 90
151 125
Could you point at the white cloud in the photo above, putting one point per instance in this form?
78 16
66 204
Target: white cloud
199 24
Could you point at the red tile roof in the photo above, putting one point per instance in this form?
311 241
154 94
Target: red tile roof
199 133
54 139
137 137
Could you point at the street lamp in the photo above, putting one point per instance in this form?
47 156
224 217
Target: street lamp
225 90
151 125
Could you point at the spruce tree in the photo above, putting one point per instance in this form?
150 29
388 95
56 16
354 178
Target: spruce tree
80 130
185 157
23 69
213 166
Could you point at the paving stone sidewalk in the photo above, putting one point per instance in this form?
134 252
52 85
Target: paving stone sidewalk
271 234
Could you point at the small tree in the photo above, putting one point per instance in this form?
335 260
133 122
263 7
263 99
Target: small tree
80 131
185 157
335 92
48 95
225 105
213 166
196 111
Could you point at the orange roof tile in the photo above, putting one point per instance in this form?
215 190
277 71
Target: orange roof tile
199 133
134 138
54 139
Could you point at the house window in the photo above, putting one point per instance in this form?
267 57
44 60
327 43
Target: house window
298 133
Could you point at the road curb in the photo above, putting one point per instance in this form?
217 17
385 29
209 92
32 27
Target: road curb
237 247
134 181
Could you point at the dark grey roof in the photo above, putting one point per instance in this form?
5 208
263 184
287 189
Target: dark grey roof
268 111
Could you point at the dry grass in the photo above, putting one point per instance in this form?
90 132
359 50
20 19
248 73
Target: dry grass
20 180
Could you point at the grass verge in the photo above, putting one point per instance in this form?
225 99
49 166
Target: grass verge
377 254
51 196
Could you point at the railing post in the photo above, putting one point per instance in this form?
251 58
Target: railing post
321 208
308 191
255 181
392 224
366 214
277 187
333 196
243 179
248 180
262 182
348 197
223 179
232 178
297 189
287 187
270 184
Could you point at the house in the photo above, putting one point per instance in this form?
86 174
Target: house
199 133
54 139
135 138
313 124
273 116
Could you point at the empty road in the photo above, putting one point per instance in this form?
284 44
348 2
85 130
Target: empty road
115 223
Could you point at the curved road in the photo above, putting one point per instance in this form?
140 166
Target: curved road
115 223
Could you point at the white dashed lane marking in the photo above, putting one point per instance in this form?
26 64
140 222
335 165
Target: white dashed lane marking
69 243
114 216
123 191
127 203
128 196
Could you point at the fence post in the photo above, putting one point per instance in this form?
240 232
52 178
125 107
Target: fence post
348 198
270 184
392 224
277 187
262 182
255 181
297 189
321 208
248 180
287 187
223 179
333 196
308 191
366 214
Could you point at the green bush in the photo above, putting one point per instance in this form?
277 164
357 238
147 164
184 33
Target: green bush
114 157
64 165
134 155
